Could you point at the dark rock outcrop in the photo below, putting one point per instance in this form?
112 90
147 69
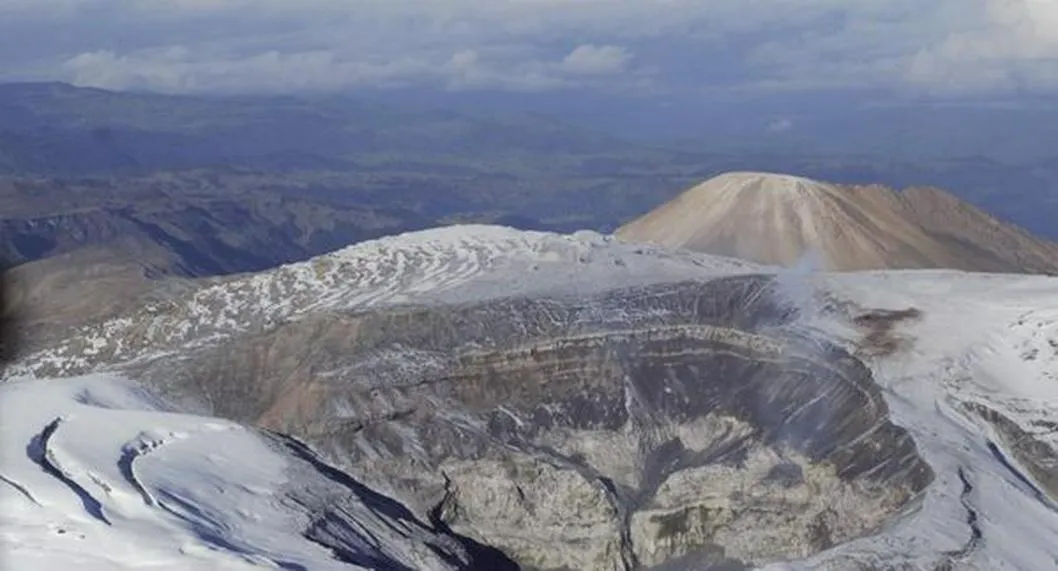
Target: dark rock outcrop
691 425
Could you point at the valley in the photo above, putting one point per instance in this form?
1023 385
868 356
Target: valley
200 185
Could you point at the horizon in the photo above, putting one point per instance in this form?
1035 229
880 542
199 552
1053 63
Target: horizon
940 49
1019 131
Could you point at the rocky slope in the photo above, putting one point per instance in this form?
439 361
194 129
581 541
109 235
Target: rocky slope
778 219
94 476
189 224
580 434
569 400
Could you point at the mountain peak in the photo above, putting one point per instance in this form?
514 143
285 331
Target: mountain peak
767 180
777 218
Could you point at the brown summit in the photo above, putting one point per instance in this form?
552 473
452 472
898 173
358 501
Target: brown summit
778 219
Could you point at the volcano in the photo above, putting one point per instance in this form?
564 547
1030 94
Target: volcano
779 219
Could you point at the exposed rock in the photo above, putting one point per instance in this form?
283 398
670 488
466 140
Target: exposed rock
1036 455
10 326
197 223
659 427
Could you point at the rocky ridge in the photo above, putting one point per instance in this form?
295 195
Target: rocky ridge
571 422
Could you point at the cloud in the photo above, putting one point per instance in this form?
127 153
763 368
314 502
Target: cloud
1014 48
938 46
467 70
781 125
590 59
178 69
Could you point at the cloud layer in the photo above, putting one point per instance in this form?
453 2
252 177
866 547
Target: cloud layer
938 46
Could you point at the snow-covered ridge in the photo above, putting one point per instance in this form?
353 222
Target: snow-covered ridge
985 342
449 264
988 340
92 478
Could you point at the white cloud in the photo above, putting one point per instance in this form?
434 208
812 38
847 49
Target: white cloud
179 69
589 59
176 69
781 125
938 45
467 70
1015 47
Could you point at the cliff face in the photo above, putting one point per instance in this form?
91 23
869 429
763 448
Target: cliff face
565 401
675 426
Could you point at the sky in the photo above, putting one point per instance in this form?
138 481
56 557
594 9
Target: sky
940 48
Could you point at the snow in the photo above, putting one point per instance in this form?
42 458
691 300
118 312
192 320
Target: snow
968 346
981 339
126 486
442 265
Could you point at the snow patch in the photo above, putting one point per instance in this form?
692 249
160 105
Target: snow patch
88 487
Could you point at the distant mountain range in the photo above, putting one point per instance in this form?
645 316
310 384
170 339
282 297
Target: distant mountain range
835 123
244 183
190 225
57 128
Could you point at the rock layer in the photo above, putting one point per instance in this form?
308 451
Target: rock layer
677 426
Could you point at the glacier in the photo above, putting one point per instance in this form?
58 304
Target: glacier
101 473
